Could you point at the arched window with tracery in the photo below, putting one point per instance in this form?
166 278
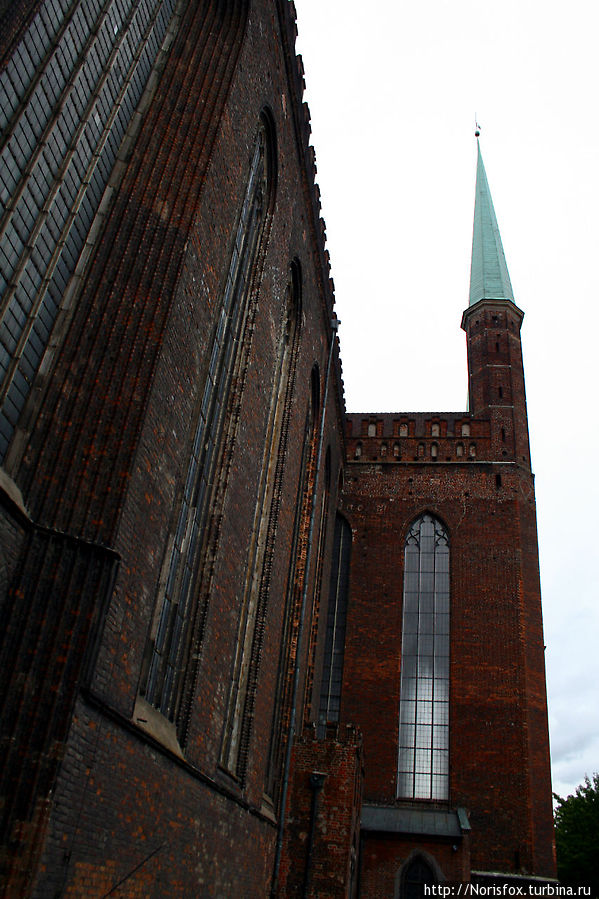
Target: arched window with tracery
184 594
262 543
295 581
423 764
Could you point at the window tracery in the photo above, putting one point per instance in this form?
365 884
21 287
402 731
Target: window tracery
180 609
423 764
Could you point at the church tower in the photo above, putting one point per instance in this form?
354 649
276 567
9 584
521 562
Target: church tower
492 324
444 657
227 668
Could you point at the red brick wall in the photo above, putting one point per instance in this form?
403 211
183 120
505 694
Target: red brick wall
329 869
108 441
495 631
499 756
106 437
381 860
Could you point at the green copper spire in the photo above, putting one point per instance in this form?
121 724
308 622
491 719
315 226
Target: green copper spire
489 278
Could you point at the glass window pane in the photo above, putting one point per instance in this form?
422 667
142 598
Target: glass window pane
422 772
406 759
441 690
410 623
440 761
408 711
441 713
422 786
424 712
439 787
440 737
424 736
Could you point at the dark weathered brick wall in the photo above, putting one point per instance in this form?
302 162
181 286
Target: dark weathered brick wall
52 614
102 793
126 813
322 825
381 861
107 453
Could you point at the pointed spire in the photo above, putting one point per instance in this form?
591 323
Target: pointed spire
489 277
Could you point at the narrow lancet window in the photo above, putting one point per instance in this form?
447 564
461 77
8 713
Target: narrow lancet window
334 649
256 594
423 767
295 583
169 646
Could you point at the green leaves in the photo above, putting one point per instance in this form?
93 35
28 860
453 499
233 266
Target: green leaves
577 836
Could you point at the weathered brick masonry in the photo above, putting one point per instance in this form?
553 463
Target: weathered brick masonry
478 482
177 584
322 828
102 454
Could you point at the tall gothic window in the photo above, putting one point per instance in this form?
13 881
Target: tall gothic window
334 647
262 542
169 645
423 766
295 582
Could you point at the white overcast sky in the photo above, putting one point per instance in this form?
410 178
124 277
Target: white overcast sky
393 88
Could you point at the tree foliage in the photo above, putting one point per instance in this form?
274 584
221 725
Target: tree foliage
577 836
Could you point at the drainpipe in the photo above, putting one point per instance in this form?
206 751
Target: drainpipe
317 780
300 630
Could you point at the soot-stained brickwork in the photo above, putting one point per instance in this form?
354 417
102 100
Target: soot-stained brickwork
205 665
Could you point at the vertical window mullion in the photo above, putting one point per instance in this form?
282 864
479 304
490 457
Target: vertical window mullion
164 692
422 767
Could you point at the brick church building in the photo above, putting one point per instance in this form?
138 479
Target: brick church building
252 645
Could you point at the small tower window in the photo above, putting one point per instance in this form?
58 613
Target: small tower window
421 451
396 450
465 430
503 435
403 430
383 449
459 450
358 451
434 450
435 431
472 451
372 430
500 389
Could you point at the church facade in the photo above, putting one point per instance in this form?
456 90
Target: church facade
252 644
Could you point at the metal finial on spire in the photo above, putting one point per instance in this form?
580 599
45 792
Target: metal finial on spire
476 128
